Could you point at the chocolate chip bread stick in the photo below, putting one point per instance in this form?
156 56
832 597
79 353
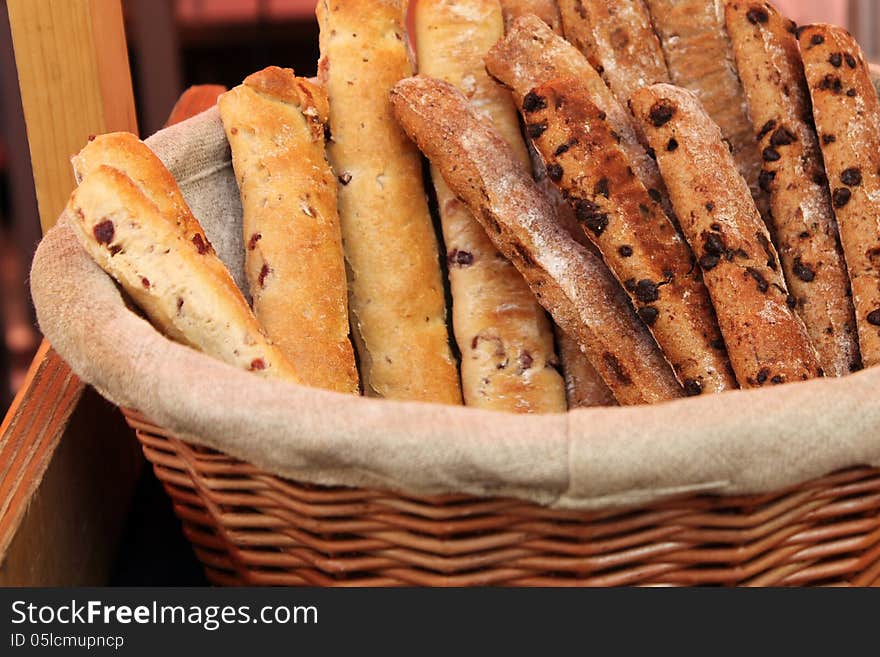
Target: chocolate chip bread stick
546 10
503 334
589 305
618 39
180 284
766 340
396 293
699 58
847 117
803 225
275 123
637 240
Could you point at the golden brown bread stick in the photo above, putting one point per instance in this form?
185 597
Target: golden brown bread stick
275 124
618 39
638 242
503 334
546 10
847 117
802 220
699 58
395 286
531 55
182 286
766 340
479 167
584 386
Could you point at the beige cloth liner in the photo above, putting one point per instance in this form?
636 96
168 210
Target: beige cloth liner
736 442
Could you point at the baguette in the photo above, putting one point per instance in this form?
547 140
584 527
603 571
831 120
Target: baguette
531 55
699 58
636 239
182 286
567 279
396 295
847 116
505 339
766 340
275 123
584 386
546 10
802 219
619 41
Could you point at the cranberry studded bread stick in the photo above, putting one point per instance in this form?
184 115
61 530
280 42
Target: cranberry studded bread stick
802 222
699 58
766 340
618 39
572 284
637 240
275 125
847 117
503 334
546 10
396 297
182 286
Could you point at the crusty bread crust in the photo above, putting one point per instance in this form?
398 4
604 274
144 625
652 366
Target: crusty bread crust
699 58
847 116
396 290
182 287
531 55
584 386
766 341
275 124
618 39
505 339
637 240
546 10
802 220
479 167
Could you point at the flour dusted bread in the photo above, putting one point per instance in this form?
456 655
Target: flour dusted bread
802 220
847 117
699 58
766 341
569 281
275 123
503 334
636 238
546 10
182 286
395 287
618 39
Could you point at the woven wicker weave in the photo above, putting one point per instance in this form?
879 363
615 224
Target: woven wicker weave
252 528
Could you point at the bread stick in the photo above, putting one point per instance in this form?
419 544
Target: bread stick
184 289
637 240
584 386
505 339
847 116
699 58
396 295
531 55
546 10
618 39
802 221
275 124
766 340
480 168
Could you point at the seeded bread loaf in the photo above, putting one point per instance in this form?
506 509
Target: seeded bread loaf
618 39
546 10
275 124
396 295
181 285
847 116
505 339
802 220
699 58
637 240
480 168
766 340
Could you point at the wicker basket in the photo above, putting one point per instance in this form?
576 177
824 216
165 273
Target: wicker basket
251 528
